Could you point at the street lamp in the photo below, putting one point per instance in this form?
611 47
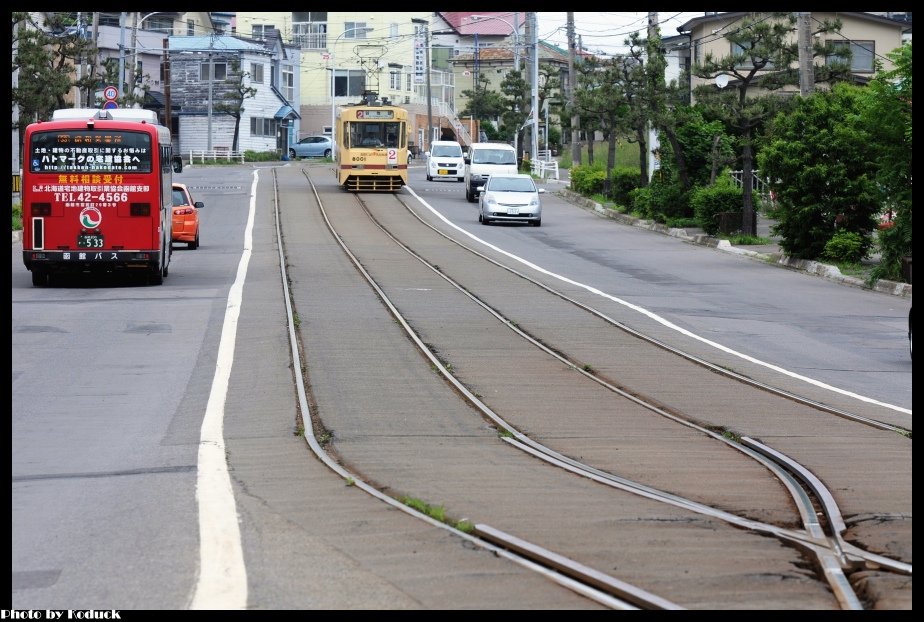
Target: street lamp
333 116
516 36
516 56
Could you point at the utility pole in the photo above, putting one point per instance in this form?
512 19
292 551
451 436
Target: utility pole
91 88
572 87
134 68
168 114
532 25
652 134
806 65
122 53
429 94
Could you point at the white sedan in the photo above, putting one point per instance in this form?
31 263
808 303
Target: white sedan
512 198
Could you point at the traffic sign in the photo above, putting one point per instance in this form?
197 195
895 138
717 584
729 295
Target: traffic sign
109 105
110 93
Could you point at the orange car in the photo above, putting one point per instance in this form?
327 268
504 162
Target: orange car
185 216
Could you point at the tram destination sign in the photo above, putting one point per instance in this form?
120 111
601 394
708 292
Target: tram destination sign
375 114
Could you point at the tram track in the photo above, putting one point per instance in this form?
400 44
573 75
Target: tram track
821 538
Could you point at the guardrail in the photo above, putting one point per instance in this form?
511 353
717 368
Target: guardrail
215 154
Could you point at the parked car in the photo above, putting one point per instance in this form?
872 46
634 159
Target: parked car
506 197
185 216
311 147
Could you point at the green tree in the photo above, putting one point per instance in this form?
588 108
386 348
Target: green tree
823 161
886 108
483 104
516 92
234 95
43 80
764 52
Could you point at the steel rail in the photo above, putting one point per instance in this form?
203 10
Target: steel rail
829 557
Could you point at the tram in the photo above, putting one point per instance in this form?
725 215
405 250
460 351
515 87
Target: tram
372 145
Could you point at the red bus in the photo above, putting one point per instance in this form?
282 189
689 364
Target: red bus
96 194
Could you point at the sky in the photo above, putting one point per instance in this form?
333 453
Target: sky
603 33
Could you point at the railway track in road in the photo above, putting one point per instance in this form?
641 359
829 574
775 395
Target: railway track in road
818 531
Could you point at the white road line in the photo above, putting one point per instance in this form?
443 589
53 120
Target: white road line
222 580
658 318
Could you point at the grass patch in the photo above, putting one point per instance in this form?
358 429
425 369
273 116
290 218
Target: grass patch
748 240
296 320
626 154
588 368
465 526
350 481
299 430
436 512
504 433
17 216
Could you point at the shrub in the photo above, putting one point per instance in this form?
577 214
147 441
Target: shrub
623 180
586 180
640 200
261 156
708 201
847 247
668 200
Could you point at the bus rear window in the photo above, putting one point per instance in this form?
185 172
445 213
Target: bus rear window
97 151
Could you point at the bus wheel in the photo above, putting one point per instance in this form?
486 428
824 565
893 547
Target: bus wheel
39 277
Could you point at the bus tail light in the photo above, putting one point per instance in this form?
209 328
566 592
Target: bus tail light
140 209
41 209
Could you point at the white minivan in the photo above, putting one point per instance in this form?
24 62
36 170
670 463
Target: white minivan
444 161
484 160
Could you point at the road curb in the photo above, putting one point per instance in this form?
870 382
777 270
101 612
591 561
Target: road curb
832 273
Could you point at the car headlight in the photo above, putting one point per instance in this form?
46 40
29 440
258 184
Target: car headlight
534 202
490 200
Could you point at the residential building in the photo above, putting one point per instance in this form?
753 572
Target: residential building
209 73
344 54
869 36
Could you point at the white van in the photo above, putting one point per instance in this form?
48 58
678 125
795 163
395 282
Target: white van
444 161
484 160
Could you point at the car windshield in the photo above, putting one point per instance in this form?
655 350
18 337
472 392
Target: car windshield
511 184
493 156
447 151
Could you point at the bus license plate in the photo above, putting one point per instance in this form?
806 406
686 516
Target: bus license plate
89 241
442 171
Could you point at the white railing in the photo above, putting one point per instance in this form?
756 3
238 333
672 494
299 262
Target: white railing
759 184
544 165
215 154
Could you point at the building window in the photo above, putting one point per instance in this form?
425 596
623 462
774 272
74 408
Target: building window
349 83
309 29
862 54
410 83
394 80
261 31
256 73
109 19
288 83
263 127
221 71
737 49
190 28
161 24
355 30
393 30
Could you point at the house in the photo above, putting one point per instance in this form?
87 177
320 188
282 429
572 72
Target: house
869 36
344 54
209 73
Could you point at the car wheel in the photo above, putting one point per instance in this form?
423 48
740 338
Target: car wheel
292 154
461 179
468 196
194 244
327 153
537 223
429 178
